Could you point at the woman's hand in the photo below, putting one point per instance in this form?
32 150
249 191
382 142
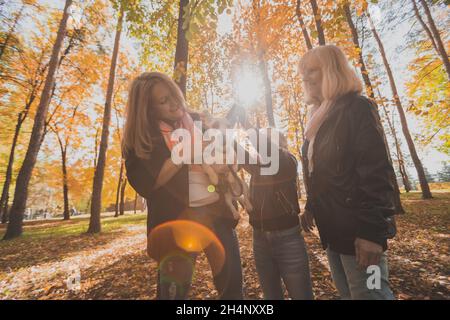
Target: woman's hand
367 253
168 170
307 221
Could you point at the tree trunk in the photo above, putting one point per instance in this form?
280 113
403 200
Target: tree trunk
119 184
182 51
5 193
303 160
96 148
63 148
88 206
397 201
362 65
122 197
267 90
426 193
318 21
21 192
437 37
306 37
400 159
135 202
96 204
262 65
424 25
66 213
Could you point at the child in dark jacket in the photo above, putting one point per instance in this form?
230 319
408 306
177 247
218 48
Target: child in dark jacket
278 245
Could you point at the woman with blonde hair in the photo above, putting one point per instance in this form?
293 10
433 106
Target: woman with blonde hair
176 191
350 191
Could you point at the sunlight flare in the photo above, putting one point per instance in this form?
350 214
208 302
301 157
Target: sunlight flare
248 87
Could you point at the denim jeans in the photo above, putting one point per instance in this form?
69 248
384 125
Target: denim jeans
175 274
281 255
352 282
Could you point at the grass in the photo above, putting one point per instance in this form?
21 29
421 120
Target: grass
417 195
46 229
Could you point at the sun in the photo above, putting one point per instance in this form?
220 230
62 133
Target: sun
248 87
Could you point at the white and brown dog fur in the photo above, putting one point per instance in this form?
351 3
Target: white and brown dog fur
221 173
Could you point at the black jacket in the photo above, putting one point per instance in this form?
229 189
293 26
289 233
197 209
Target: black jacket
170 201
274 197
350 191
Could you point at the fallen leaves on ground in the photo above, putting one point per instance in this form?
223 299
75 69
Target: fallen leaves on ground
114 264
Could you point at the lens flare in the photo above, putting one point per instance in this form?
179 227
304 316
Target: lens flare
182 238
248 87
175 272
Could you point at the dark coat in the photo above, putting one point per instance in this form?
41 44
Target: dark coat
274 197
350 191
170 201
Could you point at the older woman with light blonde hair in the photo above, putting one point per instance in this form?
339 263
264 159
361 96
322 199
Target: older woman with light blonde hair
350 191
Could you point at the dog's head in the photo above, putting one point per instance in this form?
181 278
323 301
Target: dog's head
211 122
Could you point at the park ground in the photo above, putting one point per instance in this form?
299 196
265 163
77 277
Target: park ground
114 264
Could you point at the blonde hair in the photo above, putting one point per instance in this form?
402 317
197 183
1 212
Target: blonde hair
139 114
338 77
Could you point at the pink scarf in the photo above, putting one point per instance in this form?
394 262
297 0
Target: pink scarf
185 122
318 116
